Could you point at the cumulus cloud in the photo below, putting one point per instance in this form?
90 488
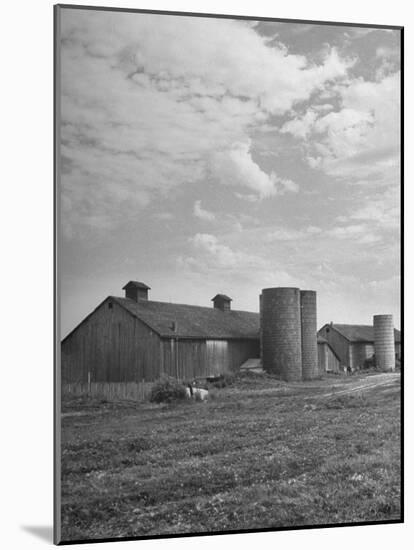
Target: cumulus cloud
236 167
360 140
144 112
300 126
201 213
217 255
323 107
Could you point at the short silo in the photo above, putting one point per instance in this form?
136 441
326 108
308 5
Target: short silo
281 333
384 342
309 335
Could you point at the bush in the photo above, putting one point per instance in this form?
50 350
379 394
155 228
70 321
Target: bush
167 390
223 380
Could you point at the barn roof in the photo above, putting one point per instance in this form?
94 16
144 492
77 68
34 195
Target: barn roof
361 333
193 321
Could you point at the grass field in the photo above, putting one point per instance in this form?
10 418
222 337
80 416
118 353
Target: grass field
261 454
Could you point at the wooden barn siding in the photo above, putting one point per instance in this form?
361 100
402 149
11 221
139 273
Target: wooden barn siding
398 349
112 346
338 343
201 358
188 363
322 358
241 350
327 360
333 362
359 352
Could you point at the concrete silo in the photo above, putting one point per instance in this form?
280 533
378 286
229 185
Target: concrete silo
384 342
261 327
309 335
281 333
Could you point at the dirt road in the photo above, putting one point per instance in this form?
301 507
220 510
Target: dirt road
382 379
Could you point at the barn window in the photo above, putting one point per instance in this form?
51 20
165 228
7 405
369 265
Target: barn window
110 305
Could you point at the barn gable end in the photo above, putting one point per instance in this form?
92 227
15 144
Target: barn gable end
111 345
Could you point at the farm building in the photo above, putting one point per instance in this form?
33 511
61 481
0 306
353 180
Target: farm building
328 361
353 344
133 339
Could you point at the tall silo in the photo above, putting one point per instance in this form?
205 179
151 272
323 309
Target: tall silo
281 333
309 335
261 327
384 342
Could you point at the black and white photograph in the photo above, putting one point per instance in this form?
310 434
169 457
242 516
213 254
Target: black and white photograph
229 335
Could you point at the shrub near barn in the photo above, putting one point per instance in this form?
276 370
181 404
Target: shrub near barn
167 390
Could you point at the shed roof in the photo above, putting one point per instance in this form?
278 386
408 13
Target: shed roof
361 333
193 321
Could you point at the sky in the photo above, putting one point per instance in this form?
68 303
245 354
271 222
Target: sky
204 156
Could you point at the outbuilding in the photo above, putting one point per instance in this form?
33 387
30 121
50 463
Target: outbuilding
353 344
328 361
134 340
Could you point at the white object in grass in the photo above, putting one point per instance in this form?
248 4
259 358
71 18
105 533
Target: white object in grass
196 393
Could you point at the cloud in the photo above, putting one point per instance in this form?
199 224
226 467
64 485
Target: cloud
390 284
164 216
381 212
387 52
248 197
358 233
286 185
288 234
300 126
235 266
323 107
359 140
216 256
236 167
347 231
362 139
144 112
202 214
313 230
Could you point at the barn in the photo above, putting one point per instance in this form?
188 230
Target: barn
328 361
128 341
353 344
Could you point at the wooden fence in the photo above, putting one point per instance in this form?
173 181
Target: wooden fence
134 391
